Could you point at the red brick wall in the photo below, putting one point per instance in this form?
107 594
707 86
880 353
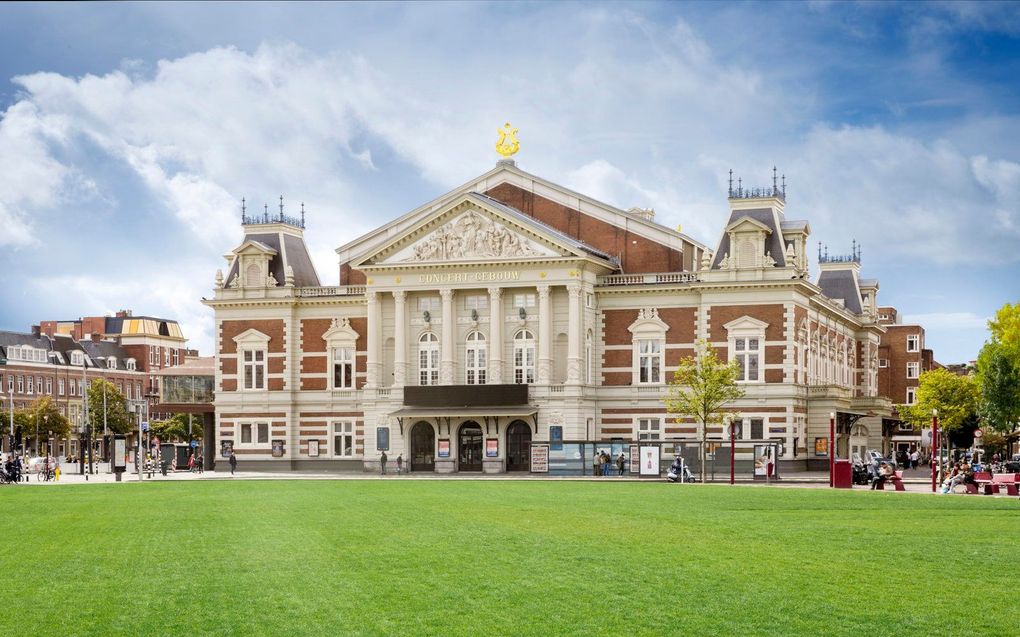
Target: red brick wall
642 256
772 314
273 328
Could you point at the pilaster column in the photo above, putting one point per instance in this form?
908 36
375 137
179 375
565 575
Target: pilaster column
399 338
574 324
544 335
449 321
374 365
495 336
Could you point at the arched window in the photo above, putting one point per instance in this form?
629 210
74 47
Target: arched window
428 359
524 357
475 359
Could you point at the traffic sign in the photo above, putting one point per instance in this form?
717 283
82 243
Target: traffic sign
194 443
978 433
145 427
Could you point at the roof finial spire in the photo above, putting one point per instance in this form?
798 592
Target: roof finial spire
784 185
265 213
740 186
775 186
853 249
243 209
731 182
302 215
281 207
819 251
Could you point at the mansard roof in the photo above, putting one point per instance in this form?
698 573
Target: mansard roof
842 285
285 248
774 242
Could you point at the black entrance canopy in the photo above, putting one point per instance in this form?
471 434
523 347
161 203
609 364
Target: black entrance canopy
443 403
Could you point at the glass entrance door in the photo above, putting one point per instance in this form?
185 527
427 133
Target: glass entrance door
423 447
469 447
518 446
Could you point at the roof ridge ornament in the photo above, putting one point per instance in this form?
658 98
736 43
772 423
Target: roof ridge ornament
507 144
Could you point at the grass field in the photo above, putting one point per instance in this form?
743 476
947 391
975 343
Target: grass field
500 558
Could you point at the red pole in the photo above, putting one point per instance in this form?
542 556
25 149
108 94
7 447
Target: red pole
732 452
934 446
832 447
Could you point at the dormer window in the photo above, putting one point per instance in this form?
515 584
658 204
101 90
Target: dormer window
111 363
130 364
77 358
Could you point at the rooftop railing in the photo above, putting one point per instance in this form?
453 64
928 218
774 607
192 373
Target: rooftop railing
655 278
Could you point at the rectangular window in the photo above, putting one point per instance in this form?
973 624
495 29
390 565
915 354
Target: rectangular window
10 383
649 361
81 388
913 370
49 386
254 362
343 439
254 433
177 357
883 362
166 357
747 353
152 355
648 429
914 343
911 395
127 394
343 367
524 300
21 384
31 386
757 429
476 302
430 303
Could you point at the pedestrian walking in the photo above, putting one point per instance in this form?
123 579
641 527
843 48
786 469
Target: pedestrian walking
233 462
191 463
400 463
382 463
621 461
597 463
606 463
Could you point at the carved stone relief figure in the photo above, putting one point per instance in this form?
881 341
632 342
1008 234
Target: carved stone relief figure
471 236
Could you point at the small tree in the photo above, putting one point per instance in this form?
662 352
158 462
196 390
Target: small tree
176 428
117 418
999 379
955 397
700 386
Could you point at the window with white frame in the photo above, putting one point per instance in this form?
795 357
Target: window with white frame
343 367
111 362
476 302
914 343
429 303
649 360
476 359
883 363
748 354
524 357
152 355
166 357
177 357
49 386
343 439
524 299
649 429
72 387
428 359
26 353
77 358
913 370
10 383
81 388
254 433
746 341
30 386
127 394
130 363
60 386
253 364
911 395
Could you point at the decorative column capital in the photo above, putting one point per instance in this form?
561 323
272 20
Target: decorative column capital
399 296
446 294
495 293
543 290
574 290
371 296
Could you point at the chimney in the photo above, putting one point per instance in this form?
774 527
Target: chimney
96 337
36 331
124 314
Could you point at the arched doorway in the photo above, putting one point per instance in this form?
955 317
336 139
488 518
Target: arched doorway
859 441
423 447
469 447
518 446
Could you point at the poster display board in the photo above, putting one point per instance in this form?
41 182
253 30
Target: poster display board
382 438
540 458
444 448
313 448
650 461
635 458
491 447
821 446
556 437
277 448
226 446
119 453
763 460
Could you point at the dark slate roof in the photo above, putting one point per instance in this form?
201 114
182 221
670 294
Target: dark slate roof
538 226
100 351
21 338
841 284
773 243
65 345
292 252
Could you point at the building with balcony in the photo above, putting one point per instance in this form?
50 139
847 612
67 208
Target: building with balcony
513 310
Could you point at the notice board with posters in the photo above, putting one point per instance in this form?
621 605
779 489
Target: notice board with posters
444 448
491 447
540 458
277 448
635 458
821 446
382 438
226 446
650 461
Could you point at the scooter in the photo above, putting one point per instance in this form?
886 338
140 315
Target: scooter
861 475
679 473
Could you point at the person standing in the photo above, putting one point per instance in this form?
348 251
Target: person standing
233 462
620 462
400 463
382 463
606 463
598 463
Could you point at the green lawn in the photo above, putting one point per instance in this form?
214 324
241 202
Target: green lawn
497 558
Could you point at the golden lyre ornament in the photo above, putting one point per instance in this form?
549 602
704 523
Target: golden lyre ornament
507 144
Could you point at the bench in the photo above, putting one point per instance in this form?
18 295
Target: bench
994 484
896 479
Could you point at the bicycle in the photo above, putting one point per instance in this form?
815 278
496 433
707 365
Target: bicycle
44 475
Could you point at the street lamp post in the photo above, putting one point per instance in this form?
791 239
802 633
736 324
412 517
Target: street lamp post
732 428
934 446
832 447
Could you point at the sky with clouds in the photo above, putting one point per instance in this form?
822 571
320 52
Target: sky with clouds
130 132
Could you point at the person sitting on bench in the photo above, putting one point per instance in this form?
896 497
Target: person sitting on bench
885 473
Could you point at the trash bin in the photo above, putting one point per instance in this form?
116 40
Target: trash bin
842 474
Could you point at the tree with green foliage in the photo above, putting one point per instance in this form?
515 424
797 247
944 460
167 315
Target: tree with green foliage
955 397
40 419
999 379
1005 329
175 428
700 387
117 418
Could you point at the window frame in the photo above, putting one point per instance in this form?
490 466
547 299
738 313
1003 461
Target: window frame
429 352
524 357
913 370
916 340
644 430
255 429
911 396
476 358
347 358
258 382
334 435
649 363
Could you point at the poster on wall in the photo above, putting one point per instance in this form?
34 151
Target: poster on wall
313 448
382 438
277 448
556 437
635 458
540 458
491 447
226 446
762 460
650 461
821 446
444 448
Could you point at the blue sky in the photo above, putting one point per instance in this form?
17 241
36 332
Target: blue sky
130 132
